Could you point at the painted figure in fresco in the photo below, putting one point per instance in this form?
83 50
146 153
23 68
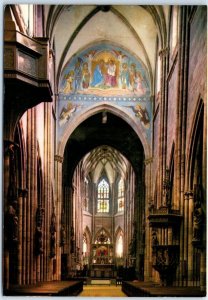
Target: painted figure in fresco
132 77
124 76
98 76
69 82
66 113
85 76
78 74
139 83
142 114
110 79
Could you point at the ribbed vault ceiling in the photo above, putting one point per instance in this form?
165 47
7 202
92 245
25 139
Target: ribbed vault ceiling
106 160
109 145
136 28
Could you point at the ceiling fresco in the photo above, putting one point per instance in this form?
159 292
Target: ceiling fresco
104 73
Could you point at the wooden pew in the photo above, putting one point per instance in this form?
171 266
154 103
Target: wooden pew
52 288
147 289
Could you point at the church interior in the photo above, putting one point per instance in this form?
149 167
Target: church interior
104 149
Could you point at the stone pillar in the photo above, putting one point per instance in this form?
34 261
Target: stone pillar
20 254
24 235
6 185
185 237
148 240
190 237
163 53
10 207
58 179
203 282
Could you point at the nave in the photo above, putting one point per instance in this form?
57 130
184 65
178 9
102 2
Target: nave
104 149
102 291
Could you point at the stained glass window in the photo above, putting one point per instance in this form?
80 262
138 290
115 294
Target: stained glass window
86 198
121 195
103 197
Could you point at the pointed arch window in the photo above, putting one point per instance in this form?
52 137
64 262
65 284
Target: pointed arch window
119 246
103 197
84 244
86 195
121 195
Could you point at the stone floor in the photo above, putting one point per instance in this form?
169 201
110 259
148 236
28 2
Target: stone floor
102 291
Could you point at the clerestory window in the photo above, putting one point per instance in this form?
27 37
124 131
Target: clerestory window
121 195
103 197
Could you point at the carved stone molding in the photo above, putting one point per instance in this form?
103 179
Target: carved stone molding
188 194
164 217
163 52
10 147
148 161
22 193
58 158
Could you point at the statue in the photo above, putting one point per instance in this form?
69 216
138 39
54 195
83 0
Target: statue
63 235
133 243
197 214
53 237
12 188
72 241
38 241
197 223
166 190
39 233
63 230
11 225
154 239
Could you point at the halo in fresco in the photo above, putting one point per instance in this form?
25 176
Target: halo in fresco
104 70
108 73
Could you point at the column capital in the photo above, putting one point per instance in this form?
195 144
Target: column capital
148 161
163 52
188 194
10 146
58 158
22 193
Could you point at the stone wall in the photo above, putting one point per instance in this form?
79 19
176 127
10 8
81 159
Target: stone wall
197 64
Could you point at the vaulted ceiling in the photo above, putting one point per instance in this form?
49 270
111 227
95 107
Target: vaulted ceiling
140 30
105 160
135 28
103 146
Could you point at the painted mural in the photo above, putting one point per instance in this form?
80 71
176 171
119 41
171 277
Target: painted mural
104 73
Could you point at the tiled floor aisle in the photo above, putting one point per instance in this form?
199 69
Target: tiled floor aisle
102 291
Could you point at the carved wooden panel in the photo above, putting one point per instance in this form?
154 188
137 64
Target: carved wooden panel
9 58
27 63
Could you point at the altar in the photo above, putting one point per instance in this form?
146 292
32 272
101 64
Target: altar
102 271
102 265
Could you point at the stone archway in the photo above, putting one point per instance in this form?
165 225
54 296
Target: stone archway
114 109
139 134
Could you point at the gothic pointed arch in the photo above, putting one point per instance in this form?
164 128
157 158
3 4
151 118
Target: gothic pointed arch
195 141
171 174
108 107
103 236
